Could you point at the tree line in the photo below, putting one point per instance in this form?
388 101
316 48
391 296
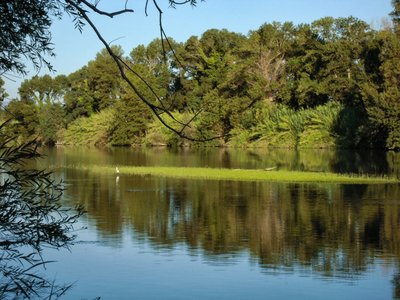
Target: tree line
331 83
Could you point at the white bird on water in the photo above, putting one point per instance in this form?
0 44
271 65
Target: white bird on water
117 178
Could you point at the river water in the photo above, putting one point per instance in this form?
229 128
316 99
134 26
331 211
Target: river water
149 237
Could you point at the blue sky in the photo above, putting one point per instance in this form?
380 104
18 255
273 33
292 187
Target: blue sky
73 50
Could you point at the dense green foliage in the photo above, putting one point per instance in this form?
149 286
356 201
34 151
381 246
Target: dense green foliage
332 83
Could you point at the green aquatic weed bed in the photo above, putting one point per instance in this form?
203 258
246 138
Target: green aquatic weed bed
241 174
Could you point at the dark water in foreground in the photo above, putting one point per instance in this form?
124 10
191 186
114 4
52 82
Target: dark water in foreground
157 238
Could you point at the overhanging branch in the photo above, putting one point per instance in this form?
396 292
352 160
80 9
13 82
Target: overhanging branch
105 13
121 64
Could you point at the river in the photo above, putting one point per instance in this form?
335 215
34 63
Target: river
147 237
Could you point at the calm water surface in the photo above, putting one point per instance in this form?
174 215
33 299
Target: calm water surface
157 238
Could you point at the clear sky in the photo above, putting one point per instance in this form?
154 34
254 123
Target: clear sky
73 50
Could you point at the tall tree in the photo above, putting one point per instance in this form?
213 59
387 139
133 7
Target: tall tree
157 72
46 94
205 82
25 119
395 14
77 99
382 95
130 122
103 79
94 87
328 66
43 90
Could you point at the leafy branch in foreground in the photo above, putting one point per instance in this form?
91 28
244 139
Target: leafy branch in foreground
31 217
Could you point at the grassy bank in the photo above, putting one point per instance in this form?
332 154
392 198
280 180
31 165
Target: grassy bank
241 174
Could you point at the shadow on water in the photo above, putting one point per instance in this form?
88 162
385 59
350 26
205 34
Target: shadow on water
364 162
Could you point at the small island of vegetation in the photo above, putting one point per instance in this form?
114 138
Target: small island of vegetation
265 175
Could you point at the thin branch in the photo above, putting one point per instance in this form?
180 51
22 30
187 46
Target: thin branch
116 39
173 3
160 12
8 76
7 111
164 36
162 108
191 120
146 7
102 12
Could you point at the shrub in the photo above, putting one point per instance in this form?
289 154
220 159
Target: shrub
91 130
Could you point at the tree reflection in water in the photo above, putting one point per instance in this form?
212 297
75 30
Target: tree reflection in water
333 230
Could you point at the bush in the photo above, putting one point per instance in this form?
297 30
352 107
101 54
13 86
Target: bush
280 126
159 135
91 130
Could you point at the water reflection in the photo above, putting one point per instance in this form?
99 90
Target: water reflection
335 230
344 161
329 231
